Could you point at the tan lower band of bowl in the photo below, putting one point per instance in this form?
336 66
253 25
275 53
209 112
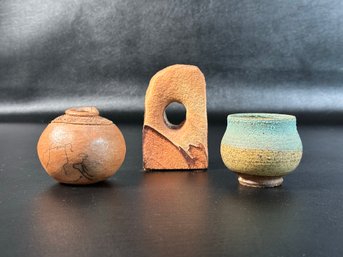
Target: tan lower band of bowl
260 162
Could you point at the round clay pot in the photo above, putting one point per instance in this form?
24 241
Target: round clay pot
81 147
261 147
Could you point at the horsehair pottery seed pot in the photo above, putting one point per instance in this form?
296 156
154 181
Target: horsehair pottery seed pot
81 147
261 147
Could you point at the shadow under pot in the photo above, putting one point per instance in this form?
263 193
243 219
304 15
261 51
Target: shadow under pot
261 147
81 147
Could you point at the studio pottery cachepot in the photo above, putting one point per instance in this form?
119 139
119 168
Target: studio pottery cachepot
81 147
261 147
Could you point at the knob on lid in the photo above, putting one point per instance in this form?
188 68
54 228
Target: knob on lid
83 111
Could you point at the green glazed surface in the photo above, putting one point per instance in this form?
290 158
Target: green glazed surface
265 131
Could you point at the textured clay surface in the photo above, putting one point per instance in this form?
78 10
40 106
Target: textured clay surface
260 162
169 147
261 147
81 147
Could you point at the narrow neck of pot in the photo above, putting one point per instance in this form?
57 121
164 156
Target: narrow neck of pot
82 116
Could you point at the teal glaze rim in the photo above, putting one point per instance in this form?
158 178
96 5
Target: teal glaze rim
261 117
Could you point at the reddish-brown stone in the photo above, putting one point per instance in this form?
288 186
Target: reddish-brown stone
170 147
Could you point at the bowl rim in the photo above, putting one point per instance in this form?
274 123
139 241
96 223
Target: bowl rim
255 117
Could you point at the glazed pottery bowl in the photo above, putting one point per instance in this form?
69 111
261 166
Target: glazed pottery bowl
81 147
261 147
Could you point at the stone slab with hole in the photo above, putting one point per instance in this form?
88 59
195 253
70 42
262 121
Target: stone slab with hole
183 146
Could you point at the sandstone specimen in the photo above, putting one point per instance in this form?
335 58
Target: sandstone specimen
81 147
175 147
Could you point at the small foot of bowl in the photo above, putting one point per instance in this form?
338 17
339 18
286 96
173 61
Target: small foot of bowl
258 181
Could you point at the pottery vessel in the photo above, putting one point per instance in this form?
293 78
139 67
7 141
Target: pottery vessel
261 147
81 147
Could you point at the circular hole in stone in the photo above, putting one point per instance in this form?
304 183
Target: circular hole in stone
175 115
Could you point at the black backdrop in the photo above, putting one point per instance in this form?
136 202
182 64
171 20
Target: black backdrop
270 56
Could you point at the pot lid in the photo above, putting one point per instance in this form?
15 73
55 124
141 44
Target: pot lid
82 116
